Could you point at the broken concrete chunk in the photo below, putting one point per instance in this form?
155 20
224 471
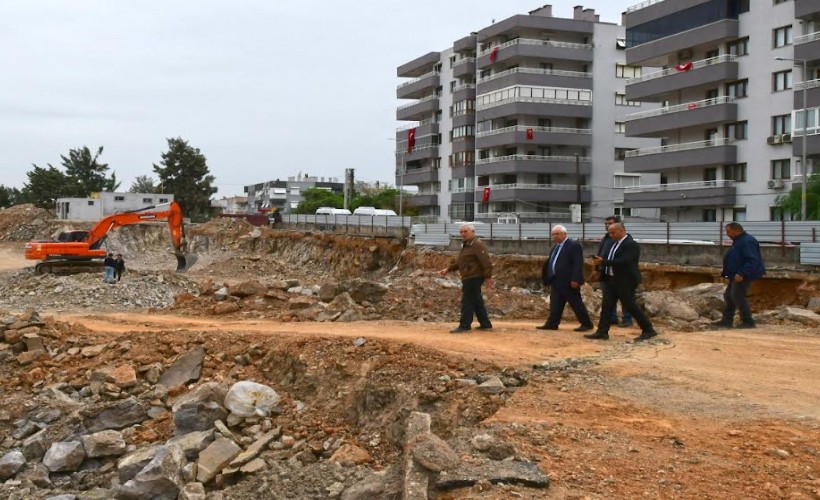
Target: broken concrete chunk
65 456
160 479
215 457
103 444
185 369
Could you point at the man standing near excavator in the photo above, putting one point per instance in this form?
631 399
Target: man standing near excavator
109 264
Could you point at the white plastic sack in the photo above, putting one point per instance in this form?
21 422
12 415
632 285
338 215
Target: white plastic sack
248 399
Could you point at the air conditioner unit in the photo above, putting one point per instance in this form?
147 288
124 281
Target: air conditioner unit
684 54
776 184
787 138
774 139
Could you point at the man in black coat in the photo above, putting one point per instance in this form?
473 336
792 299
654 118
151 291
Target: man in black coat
563 272
603 248
620 271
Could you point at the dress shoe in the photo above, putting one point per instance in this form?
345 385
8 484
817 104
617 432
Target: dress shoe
746 325
625 324
584 328
485 328
721 324
646 335
597 336
546 327
459 330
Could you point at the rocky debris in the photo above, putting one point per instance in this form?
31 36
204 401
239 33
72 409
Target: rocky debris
799 315
193 491
493 385
193 442
122 376
350 454
256 448
814 305
122 414
103 444
24 223
185 369
11 463
130 465
247 289
215 457
65 456
433 453
159 479
416 479
197 416
507 472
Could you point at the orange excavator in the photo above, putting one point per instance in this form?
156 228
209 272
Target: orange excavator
80 251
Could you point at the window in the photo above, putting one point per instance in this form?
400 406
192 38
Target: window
737 131
776 2
781 124
739 214
119 198
706 12
781 80
781 169
813 118
736 172
709 175
90 203
626 180
148 200
778 214
738 89
782 37
739 47
163 200
625 71
452 86
623 211
709 215
620 127
543 179
621 100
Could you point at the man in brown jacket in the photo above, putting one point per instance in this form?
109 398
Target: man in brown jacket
475 268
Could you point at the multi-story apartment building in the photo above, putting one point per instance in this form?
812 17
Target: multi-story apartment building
285 196
730 77
525 116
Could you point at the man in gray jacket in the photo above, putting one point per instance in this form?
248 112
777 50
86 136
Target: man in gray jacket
475 267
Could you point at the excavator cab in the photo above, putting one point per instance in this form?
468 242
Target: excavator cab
72 236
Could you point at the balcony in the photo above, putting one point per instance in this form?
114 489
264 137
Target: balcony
465 91
657 122
807 47
536 106
812 143
806 8
420 151
418 88
523 48
682 194
540 136
462 171
526 23
532 216
558 193
657 50
416 111
414 176
419 65
463 144
423 128
464 67
423 200
535 76
690 154
812 94
532 164
658 84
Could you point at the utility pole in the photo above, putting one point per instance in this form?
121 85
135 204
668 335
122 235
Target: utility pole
348 187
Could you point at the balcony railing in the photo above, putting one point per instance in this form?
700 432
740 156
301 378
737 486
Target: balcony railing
527 215
811 84
416 147
542 187
463 87
681 107
687 146
531 41
415 125
524 128
535 71
680 186
462 190
425 99
417 170
464 61
724 58
642 5
811 37
541 100
499 159
422 77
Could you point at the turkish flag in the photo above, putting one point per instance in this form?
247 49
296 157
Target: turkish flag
411 139
493 54
684 67
486 196
530 134
692 105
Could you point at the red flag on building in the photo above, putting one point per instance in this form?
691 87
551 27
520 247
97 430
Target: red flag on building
486 196
692 105
411 139
493 54
684 67
530 134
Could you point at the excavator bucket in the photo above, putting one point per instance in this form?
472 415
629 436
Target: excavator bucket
185 261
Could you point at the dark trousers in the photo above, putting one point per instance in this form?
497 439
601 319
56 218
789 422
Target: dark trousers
735 297
627 318
472 303
559 296
614 292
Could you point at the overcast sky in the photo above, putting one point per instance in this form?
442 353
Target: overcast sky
264 88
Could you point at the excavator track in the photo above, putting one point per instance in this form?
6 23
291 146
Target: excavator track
68 267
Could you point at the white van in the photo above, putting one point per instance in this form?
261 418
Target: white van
380 211
332 211
365 211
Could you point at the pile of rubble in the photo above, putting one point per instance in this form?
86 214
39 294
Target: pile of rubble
137 290
24 223
148 416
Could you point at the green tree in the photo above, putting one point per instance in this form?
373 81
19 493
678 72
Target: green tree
143 184
314 198
86 173
184 173
792 201
9 196
45 185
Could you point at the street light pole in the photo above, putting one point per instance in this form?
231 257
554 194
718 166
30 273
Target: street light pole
803 165
401 187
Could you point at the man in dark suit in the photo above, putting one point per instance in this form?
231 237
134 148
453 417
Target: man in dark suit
620 271
563 272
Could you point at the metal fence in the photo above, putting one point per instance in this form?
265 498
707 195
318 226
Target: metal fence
387 225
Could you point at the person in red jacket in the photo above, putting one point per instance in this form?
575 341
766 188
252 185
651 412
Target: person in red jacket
476 268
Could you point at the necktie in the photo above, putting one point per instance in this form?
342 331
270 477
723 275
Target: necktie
609 257
555 257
